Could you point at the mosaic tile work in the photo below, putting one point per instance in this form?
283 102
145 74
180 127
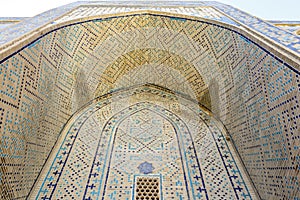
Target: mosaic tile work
203 12
254 93
291 26
236 17
38 21
102 153
9 21
281 36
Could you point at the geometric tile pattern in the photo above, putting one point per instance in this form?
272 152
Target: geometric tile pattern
291 26
283 37
156 62
9 21
183 147
90 11
253 92
206 9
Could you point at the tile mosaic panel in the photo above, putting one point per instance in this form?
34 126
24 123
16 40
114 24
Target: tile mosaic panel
289 40
5 22
291 26
89 11
183 147
218 11
253 92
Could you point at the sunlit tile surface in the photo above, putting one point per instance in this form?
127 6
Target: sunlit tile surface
246 73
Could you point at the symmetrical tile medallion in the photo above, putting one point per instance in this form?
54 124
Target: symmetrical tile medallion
146 143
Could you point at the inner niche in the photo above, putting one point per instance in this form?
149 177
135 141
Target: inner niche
146 132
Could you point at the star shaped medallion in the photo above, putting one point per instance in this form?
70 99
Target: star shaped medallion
145 168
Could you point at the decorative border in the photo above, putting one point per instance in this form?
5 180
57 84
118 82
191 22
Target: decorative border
284 38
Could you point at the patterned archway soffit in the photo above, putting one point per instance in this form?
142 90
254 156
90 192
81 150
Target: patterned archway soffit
127 63
209 10
283 54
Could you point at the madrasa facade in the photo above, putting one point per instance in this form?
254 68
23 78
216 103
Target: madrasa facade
149 100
